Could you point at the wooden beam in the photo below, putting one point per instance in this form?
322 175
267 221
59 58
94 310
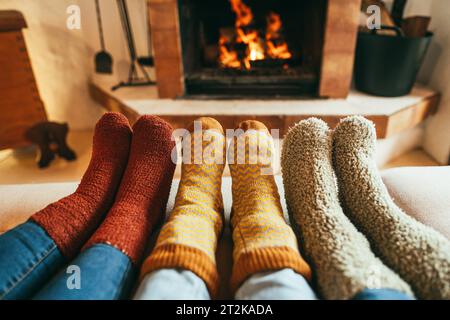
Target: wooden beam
165 28
341 27
387 124
412 116
111 103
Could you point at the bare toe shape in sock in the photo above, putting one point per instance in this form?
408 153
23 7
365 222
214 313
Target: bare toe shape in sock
416 252
340 255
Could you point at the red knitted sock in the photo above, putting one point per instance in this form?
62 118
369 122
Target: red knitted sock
71 221
142 196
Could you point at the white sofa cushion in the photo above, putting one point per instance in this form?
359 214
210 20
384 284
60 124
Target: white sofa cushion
18 202
422 192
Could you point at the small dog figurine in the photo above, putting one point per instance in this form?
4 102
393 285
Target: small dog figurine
50 137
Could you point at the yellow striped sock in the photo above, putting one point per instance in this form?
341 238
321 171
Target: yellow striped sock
189 238
263 241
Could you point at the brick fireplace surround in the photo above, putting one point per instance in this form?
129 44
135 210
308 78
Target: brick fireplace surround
339 40
396 119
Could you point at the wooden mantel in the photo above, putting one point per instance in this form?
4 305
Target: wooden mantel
390 115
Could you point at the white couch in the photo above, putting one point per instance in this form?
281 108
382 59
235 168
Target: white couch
422 192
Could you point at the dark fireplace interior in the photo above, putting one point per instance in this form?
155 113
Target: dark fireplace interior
242 48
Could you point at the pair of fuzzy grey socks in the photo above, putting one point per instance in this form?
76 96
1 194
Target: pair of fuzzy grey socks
399 252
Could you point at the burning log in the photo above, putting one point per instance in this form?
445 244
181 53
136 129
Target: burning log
210 54
271 63
242 46
277 47
228 34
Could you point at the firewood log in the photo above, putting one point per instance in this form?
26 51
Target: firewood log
416 26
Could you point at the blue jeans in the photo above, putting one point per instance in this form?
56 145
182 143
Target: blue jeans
29 259
283 284
381 294
101 272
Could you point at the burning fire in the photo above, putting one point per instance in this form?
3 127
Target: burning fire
276 49
244 35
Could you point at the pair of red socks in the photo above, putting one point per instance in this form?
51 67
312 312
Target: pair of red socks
123 193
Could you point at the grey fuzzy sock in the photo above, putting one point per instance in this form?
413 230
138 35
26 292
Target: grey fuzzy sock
418 253
341 257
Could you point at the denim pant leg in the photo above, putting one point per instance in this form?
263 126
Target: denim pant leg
282 284
28 259
102 272
172 284
180 284
381 294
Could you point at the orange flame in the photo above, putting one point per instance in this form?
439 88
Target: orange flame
228 58
244 15
276 49
257 48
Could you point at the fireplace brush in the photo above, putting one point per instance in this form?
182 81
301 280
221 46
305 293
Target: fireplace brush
133 77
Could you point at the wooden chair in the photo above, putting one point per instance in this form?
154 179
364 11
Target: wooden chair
20 104
23 120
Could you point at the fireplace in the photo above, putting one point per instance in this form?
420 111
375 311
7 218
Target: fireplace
253 48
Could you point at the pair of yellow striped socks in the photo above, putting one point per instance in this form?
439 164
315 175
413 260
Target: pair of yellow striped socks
263 241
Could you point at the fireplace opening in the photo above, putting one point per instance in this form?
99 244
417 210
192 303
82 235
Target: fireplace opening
241 48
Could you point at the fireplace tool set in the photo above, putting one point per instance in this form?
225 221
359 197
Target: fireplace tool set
103 59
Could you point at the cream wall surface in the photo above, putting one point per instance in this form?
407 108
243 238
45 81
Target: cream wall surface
63 59
436 73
